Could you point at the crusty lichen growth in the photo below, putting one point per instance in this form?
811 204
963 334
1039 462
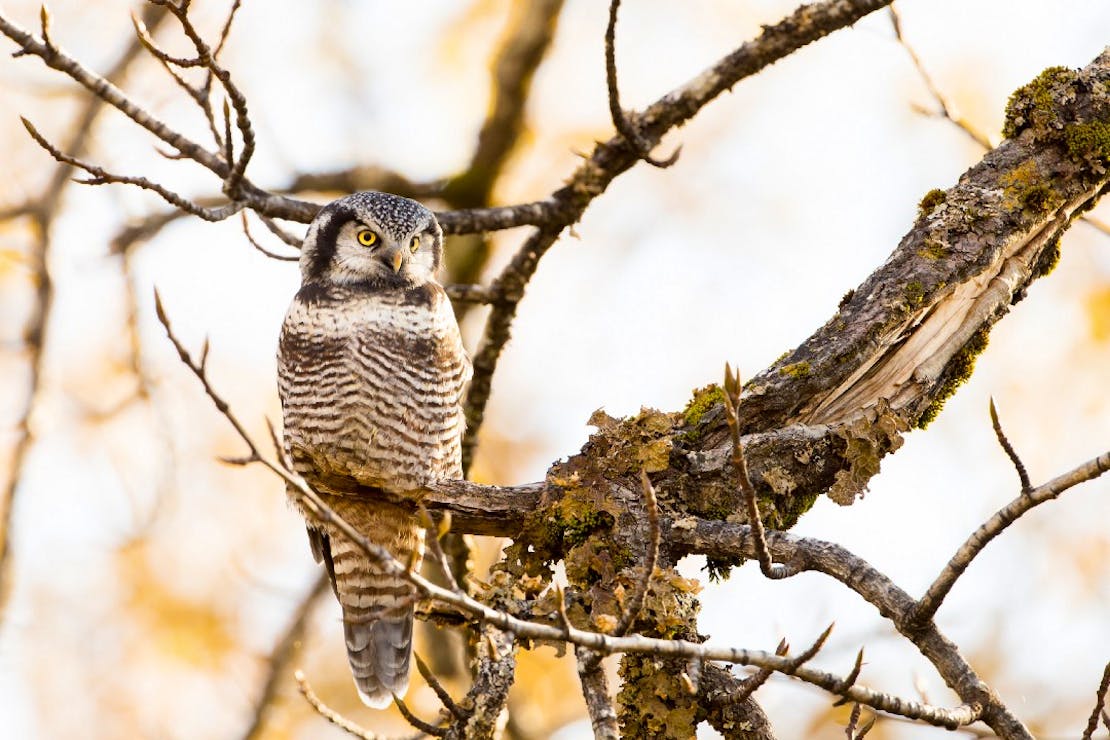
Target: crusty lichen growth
1089 140
933 248
1047 107
654 701
1025 190
914 293
930 201
796 369
958 371
867 440
1034 104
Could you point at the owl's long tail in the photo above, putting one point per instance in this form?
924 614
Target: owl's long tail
377 613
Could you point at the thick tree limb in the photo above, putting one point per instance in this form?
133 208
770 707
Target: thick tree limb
501 630
909 333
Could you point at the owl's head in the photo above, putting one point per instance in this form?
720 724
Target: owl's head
376 240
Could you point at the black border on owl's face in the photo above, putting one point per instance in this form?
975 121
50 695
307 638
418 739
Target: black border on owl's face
332 253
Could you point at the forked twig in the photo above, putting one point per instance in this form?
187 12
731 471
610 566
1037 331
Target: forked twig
100 176
596 641
929 603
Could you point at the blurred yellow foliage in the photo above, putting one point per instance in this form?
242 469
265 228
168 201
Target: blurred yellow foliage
1098 313
194 632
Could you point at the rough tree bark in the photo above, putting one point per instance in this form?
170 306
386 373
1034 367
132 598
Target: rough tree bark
820 419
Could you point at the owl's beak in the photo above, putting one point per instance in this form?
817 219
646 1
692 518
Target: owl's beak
394 258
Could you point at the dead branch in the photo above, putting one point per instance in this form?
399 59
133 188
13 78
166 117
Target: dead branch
445 698
623 126
501 630
595 690
997 524
330 714
910 332
282 655
948 111
612 158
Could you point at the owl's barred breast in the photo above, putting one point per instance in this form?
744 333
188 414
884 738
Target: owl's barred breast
372 385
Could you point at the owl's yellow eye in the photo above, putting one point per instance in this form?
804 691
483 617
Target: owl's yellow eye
415 244
367 238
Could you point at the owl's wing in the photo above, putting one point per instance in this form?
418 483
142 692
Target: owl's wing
320 544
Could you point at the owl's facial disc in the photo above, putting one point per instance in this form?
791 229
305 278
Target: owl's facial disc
374 239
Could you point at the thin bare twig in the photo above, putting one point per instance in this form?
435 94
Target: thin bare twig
608 161
439 530
624 126
1100 703
947 110
998 523
282 655
279 232
100 176
330 714
259 247
425 727
853 722
1011 453
770 569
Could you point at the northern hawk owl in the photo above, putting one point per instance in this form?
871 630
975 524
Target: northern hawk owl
371 370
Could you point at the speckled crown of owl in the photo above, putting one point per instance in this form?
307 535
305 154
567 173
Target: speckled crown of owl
372 240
